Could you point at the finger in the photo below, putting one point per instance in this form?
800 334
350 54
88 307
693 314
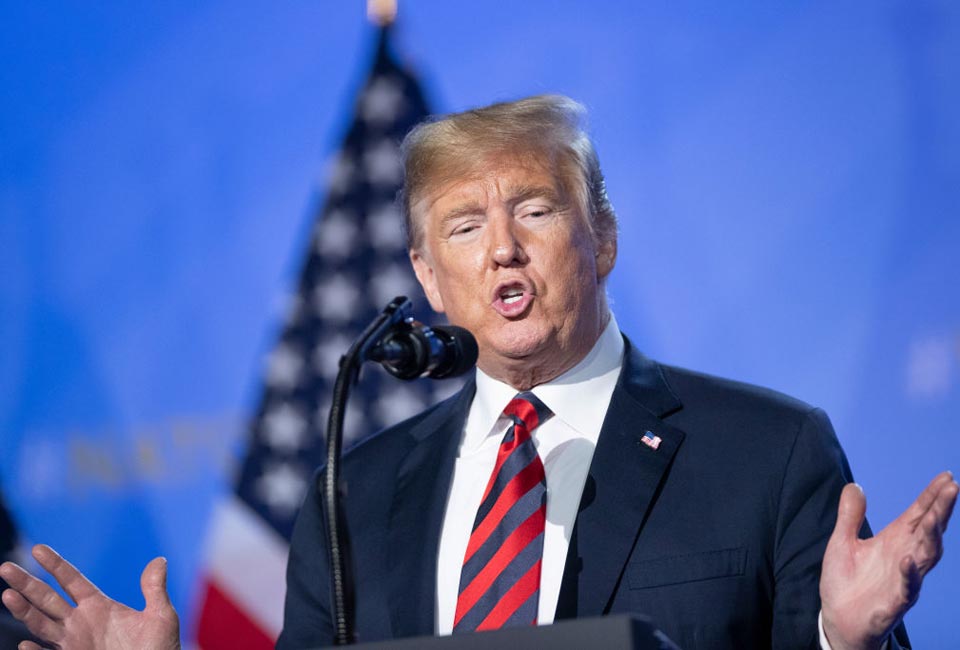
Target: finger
73 582
29 645
929 548
938 515
850 513
932 526
946 500
36 621
927 498
153 583
39 593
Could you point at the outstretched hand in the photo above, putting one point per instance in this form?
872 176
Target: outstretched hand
867 585
96 622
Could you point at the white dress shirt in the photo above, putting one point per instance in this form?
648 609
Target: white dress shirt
579 399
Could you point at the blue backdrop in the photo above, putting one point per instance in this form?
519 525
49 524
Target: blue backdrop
786 176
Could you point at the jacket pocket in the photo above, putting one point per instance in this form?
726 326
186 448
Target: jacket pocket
677 569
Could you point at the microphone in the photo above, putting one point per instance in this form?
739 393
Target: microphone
412 350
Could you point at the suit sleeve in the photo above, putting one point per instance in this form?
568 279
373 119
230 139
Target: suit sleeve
814 477
815 474
306 613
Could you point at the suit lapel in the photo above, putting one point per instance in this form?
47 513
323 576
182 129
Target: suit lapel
416 515
621 486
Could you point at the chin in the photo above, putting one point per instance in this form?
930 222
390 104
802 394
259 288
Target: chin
521 345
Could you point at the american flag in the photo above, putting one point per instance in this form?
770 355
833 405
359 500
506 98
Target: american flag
356 263
651 440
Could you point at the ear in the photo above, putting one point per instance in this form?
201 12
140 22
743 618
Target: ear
427 279
606 257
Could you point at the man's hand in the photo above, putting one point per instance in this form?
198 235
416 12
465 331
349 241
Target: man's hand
97 622
867 585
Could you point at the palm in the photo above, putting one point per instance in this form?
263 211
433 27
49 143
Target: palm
96 622
867 585
103 622
858 573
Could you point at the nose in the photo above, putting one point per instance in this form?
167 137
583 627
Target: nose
506 245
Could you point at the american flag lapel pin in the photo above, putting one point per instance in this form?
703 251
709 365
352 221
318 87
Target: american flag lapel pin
651 440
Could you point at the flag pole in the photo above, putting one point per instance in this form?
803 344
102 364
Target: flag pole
382 12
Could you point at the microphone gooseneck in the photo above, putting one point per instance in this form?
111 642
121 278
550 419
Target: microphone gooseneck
407 349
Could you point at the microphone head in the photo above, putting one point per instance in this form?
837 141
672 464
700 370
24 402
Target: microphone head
462 351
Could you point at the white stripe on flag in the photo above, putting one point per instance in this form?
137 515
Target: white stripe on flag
248 560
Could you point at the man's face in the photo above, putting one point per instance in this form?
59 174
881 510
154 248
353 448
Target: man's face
507 255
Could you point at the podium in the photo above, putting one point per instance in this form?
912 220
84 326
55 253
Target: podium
621 632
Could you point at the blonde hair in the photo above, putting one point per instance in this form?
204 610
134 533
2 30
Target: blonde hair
547 127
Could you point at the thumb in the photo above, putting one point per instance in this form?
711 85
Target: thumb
153 583
850 513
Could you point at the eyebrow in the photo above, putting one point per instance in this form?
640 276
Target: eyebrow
463 210
521 193
516 194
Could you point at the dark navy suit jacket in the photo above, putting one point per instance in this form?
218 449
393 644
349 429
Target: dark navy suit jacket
717 535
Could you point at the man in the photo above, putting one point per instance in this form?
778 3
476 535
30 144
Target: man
573 476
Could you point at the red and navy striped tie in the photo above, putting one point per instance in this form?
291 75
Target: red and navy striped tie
500 579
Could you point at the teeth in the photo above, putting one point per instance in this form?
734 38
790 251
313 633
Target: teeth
511 295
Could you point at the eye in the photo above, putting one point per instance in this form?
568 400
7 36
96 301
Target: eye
536 211
464 228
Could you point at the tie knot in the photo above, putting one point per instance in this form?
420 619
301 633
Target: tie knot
527 409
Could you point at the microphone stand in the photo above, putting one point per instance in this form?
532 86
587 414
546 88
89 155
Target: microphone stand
343 603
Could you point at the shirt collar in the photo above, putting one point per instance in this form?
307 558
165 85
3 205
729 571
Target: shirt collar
595 376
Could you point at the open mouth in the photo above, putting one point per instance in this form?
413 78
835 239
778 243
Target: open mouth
511 300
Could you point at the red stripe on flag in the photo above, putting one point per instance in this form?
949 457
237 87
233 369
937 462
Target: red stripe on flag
512 600
224 626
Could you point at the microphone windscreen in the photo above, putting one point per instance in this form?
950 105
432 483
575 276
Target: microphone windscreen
464 348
